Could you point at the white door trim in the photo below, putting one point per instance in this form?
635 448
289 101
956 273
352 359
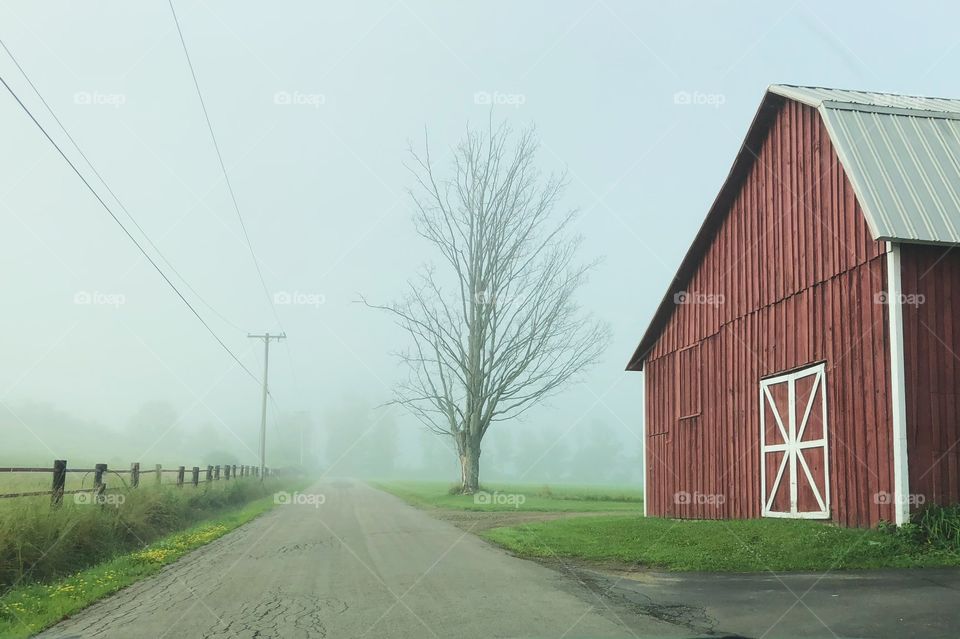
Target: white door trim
793 445
898 390
643 436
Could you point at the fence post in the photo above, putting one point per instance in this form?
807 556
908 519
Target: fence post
226 472
159 473
135 474
59 479
98 485
234 471
209 473
196 476
180 476
216 472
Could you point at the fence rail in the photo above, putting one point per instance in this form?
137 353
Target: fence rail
184 475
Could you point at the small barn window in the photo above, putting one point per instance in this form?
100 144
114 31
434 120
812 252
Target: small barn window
688 381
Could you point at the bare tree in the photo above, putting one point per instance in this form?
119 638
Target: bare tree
497 330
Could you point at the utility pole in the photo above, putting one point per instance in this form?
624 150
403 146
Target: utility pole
266 337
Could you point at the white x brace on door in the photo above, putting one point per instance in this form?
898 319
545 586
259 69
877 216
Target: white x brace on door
794 468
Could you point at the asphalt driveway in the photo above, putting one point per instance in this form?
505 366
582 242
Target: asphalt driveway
878 604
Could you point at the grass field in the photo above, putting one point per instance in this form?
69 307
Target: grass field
519 497
713 545
27 609
28 482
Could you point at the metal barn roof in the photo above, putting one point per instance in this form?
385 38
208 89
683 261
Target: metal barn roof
901 154
815 96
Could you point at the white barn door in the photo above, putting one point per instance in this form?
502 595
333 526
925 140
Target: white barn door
794 468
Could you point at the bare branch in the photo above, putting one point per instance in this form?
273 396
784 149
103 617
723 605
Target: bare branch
500 330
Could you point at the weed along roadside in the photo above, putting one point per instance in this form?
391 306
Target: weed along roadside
58 558
84 522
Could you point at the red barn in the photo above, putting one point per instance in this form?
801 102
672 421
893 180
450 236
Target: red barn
805 360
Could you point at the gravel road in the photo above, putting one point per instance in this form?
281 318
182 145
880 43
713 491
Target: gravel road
362 564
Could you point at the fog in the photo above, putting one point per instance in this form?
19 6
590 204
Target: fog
314 105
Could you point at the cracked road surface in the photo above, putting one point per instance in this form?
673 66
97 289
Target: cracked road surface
363 564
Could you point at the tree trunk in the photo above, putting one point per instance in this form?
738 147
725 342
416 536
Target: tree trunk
470 468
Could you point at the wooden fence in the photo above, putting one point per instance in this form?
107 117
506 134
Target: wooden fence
60 470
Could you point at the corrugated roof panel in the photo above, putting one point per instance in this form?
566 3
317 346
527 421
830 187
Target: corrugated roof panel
905 170
816 96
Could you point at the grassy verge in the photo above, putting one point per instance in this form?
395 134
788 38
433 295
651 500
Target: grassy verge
29 608
518 497
732 545
41 544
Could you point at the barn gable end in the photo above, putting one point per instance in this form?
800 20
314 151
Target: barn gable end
786 275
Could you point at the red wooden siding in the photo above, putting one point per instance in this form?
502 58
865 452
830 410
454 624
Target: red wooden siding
790 279
689 381
931 336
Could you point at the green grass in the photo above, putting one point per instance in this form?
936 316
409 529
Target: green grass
710 545
28 609
535 497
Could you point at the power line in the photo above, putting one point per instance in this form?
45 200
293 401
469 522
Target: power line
110 190
223 167
125 230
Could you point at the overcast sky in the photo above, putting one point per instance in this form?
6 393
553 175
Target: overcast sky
314 104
